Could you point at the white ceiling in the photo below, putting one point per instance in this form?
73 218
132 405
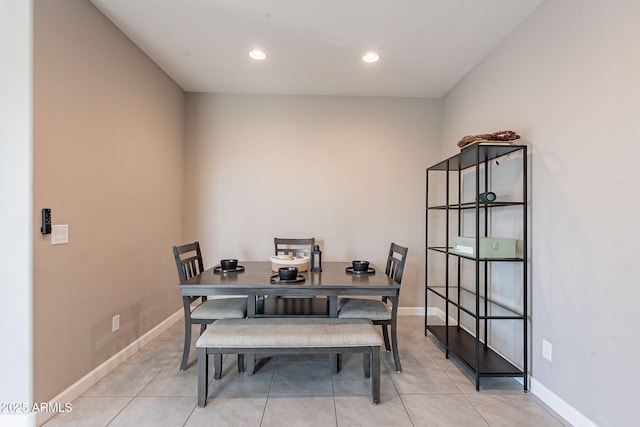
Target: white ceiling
314 47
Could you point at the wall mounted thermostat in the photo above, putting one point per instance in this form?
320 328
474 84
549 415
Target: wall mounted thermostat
46 221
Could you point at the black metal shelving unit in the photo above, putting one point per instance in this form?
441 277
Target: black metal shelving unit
476 303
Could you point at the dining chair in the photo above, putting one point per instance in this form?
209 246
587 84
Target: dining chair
294 247
380 312
293 305
189 263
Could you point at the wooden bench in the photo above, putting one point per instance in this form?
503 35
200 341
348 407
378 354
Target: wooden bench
287 336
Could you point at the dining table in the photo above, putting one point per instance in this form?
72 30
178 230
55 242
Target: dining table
255 279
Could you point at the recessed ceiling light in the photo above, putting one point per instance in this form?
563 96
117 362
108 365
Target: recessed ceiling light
258 55
371 57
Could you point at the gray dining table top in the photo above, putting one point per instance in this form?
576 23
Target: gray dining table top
255 279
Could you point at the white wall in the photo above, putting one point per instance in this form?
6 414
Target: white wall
16 331
568 80
347 171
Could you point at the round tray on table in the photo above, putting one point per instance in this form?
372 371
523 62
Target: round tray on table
219 269
275 279
370 270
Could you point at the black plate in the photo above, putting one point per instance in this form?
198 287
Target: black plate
275 279
371 270
219 269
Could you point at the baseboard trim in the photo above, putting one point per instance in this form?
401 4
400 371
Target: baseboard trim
556 403
84 383
410 311
27 419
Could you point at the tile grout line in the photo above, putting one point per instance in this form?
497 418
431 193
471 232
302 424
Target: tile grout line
141 389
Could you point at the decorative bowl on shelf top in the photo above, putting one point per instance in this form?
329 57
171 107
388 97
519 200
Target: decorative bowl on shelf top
301 263
360 265
288 273
229 264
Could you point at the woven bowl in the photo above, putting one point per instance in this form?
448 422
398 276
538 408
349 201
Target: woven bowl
278 261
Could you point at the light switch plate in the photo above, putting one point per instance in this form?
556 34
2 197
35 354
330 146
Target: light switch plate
59 234
547 350
115 323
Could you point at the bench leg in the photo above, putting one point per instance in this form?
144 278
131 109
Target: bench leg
251 364
241 363
375 374
335 360
203 376
366 364
217 364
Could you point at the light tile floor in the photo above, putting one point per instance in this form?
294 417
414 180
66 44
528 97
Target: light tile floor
149 390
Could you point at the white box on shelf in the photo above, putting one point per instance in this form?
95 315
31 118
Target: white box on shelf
490 247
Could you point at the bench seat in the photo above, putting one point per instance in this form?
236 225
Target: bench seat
285 336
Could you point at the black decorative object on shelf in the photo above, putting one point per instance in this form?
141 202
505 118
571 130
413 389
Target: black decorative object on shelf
487 197
470 310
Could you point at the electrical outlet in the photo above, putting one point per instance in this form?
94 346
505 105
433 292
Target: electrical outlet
115 323
546 350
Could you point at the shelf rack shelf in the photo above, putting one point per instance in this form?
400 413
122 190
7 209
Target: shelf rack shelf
473 346
463 344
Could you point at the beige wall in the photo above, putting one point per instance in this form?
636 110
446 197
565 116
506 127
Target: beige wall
348 171
108 137
568 79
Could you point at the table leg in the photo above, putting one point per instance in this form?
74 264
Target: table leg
334 359
251 306
333 305
251 312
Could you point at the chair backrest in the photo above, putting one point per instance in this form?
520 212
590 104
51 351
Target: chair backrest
293 247
395 262
188 260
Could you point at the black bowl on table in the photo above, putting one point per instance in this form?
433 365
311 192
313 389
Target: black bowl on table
229 264
360 265
288 273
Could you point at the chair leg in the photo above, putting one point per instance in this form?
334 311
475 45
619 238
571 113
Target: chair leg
187 344
260 304
385 336
394 343
217 364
